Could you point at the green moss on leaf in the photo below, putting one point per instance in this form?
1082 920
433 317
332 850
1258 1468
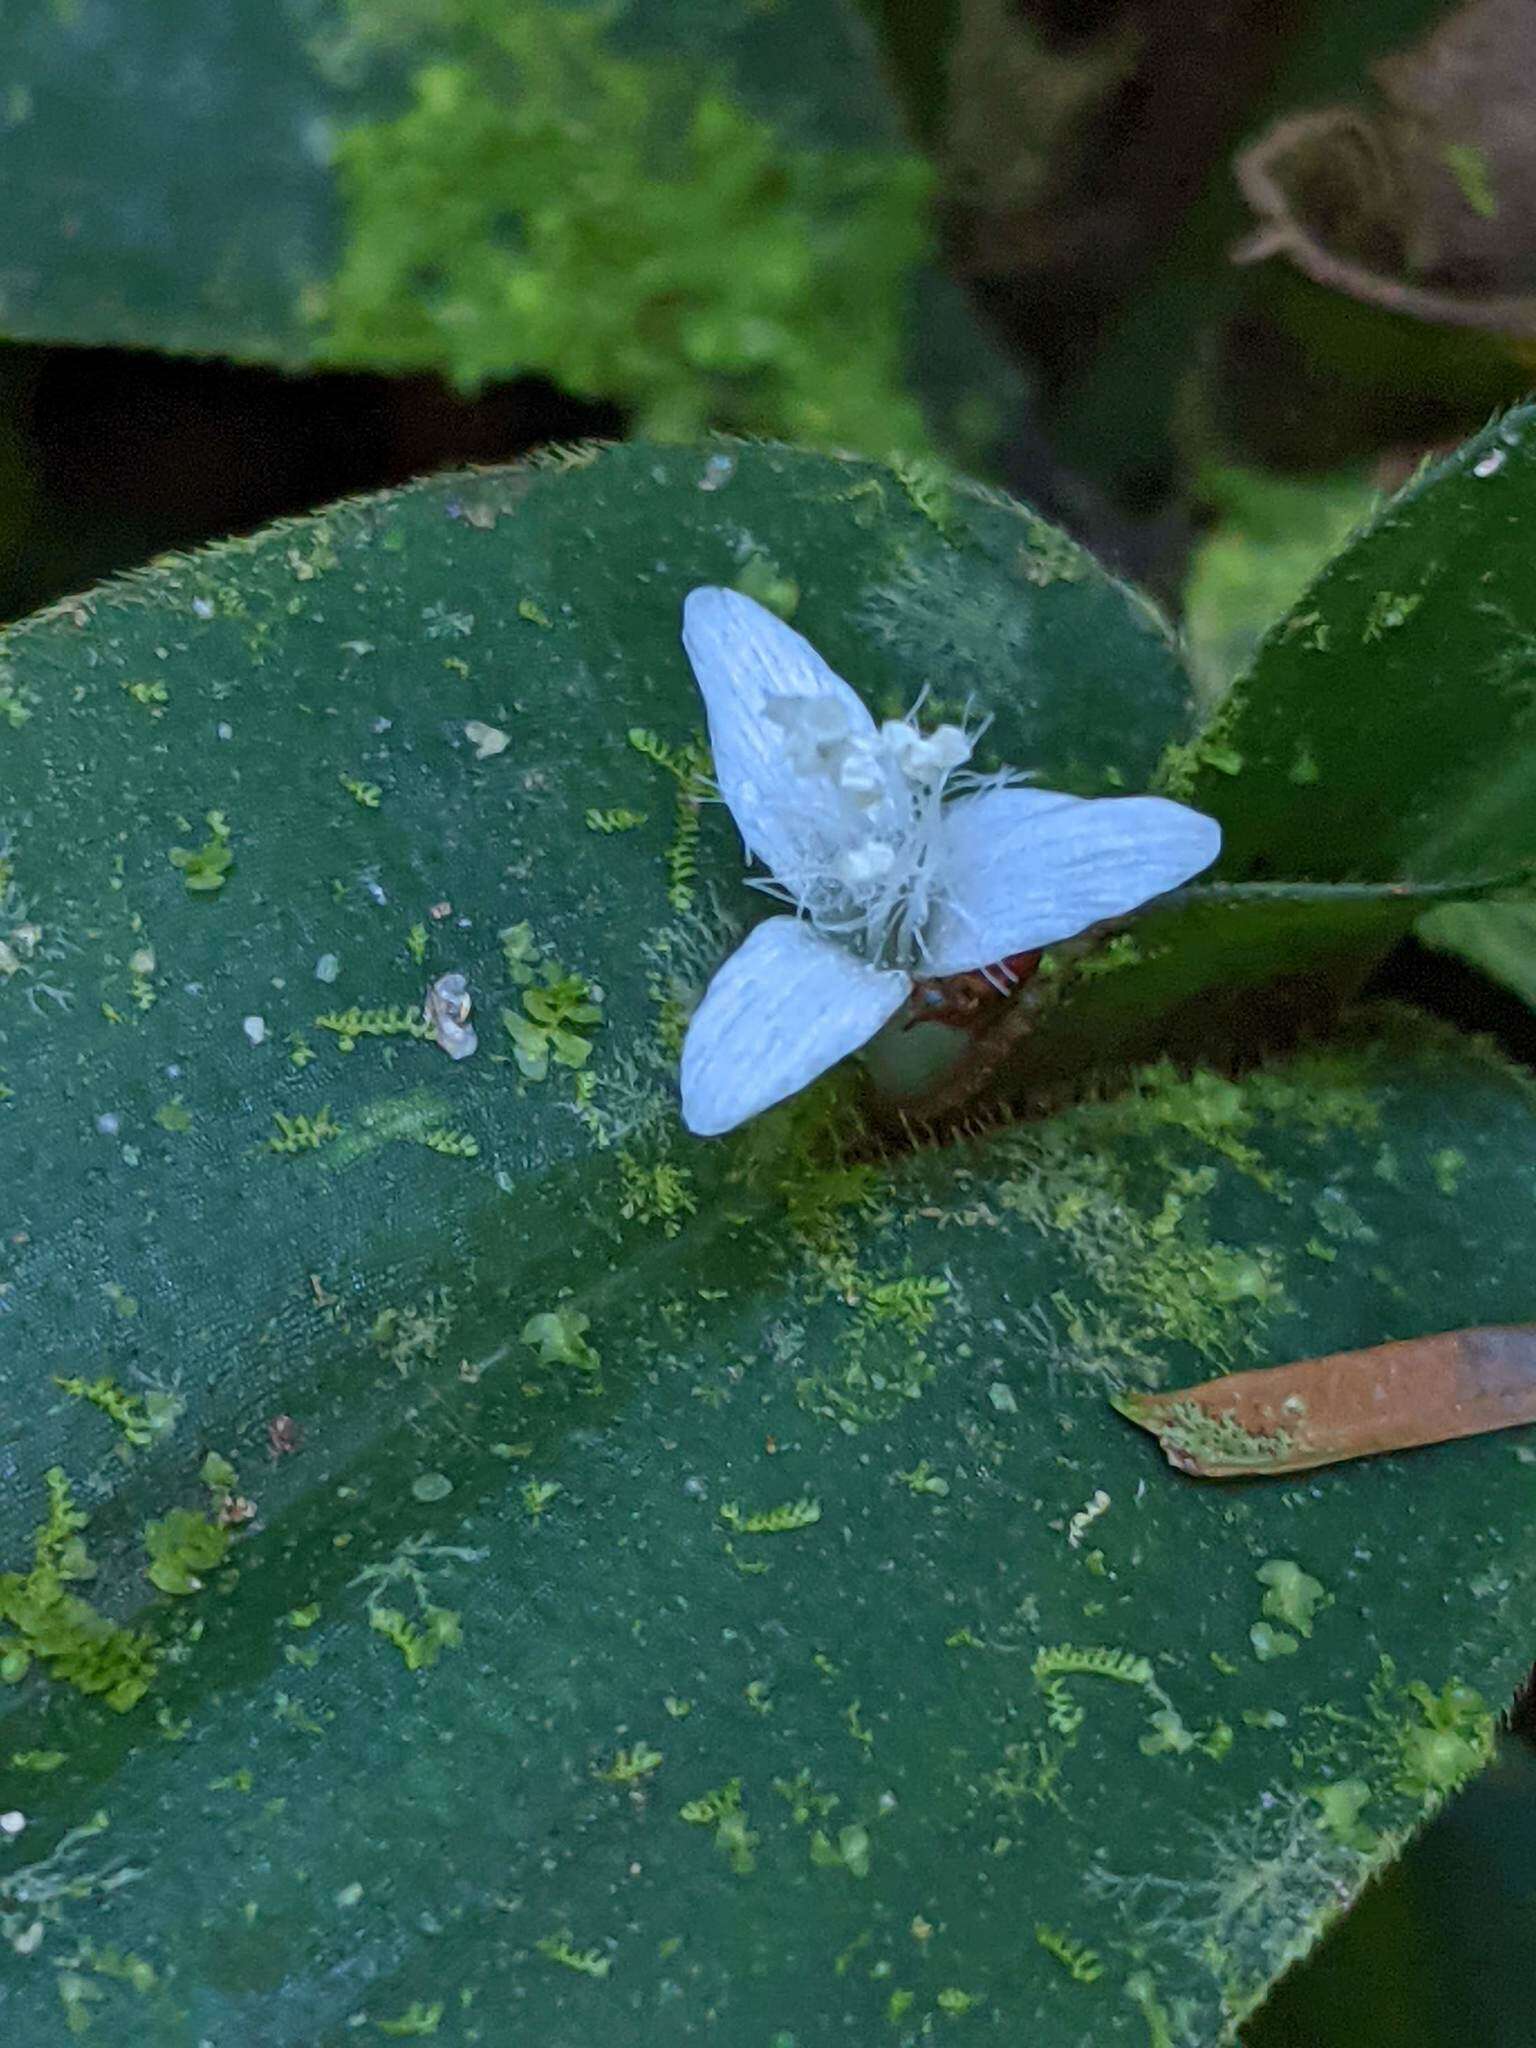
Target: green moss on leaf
1292 1596
56 1628
181 1545
722 1810
301 1133
351 1025
1449 1738
417 2020
559 1337
561 1948
1080 1962
779 1521
422 1640
559 1009
205 869
140 1417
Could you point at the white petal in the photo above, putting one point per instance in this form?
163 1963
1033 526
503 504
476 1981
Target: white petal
742 656
787 1005
1025 867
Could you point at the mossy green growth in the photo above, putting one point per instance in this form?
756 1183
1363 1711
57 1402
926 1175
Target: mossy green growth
417 2020
1212 1440
59 1630
559 1009
421 1644
559 1336
1452 1738
451 1144
561 1948
625 227
436 1628
182 1545
1292 1596
655 1192
1340 1806
141 1417
390 1022
205 869
302 1133
1156 1267
692 770
761 577
15 703
631 1766
779 1521
722 1810
1080 1962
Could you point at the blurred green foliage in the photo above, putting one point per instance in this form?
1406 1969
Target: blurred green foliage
546 204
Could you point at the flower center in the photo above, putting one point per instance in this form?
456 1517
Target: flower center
869 832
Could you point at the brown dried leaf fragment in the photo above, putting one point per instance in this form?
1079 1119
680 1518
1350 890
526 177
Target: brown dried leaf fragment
1349 1404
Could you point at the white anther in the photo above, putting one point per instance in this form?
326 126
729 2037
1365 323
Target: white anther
924 758
867 862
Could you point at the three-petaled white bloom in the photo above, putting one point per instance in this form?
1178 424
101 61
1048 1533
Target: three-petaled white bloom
890 881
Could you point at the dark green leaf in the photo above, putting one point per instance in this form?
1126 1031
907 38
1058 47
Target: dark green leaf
778 1464
1385 728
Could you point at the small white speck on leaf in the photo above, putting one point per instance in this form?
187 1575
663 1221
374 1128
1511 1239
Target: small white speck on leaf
447 1009
487 740
1085 1517
255 1029
12 1823
327 967
1489 464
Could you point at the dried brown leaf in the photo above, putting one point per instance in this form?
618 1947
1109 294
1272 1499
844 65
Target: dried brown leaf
1349 1404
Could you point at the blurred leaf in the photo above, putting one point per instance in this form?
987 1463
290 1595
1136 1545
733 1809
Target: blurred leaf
706 214
1384 727
1500 938
1269 537
1126 401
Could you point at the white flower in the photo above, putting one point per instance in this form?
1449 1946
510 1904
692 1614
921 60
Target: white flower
888 879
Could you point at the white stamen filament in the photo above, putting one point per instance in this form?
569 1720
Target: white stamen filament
872 858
